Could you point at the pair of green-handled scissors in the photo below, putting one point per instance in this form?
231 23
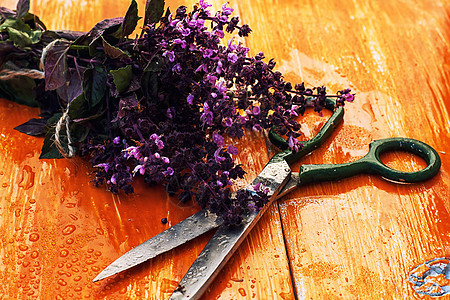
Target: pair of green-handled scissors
279 180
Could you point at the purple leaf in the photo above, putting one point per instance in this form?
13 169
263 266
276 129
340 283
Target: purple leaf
130 20
32 127
154 10
22 8
56 65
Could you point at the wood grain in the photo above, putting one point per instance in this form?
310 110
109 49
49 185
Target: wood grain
353 239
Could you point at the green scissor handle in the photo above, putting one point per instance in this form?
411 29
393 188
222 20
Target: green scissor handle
312 144
372 164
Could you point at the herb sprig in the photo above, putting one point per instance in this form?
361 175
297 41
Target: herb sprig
159 105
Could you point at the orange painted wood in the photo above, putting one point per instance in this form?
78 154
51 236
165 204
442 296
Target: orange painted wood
354 239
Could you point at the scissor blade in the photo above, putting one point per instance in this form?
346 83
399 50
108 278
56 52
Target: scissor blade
227 239
213 257
180 233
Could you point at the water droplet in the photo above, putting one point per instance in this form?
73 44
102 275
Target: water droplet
77 278
34 237
242 292
34 254
90 261
69 241
64 253
17 212
4 184
27 180
32 201
62 282
68 229
23 247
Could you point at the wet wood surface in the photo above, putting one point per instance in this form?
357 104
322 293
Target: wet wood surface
358 238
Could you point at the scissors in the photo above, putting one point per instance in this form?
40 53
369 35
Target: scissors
279 180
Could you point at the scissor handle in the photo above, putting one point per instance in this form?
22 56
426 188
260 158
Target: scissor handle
372 164
312 144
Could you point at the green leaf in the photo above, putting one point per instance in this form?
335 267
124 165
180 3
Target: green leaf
14 23
113 52
49 149
130 20
77 108
154 10
24 38
22 8
56 65
122 78
19 89
94 85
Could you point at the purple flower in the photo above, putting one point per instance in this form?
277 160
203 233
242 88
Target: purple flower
219 67
218 33
168 172
133 151
176 68
232 150
140 169
170 55
202 67
256 110
190 99
232 57
185 31
226 10
218 139
257 127
207 52
180 42
217 157
104 166
113 179
293 143
207 117
165 159
211 78
349 97
203 4
221 87
116 140
227 121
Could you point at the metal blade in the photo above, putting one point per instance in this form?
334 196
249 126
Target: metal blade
227 239
211 260
290 185
180 233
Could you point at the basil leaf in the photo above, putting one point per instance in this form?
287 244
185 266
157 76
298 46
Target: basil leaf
122 78
113 52
154 10
34 127
22 8
130 20
56 65
94 85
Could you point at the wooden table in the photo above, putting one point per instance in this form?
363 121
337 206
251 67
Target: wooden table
354 239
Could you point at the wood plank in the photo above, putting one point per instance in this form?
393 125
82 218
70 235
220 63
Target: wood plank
359 238
59 231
